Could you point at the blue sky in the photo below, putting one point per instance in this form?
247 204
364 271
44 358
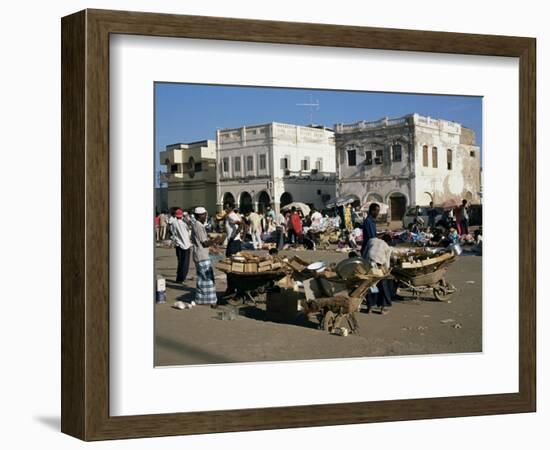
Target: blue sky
192 112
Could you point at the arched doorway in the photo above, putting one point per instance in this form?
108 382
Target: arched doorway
263 201
228 199
426 198
374 197
245 203
286 198
398 206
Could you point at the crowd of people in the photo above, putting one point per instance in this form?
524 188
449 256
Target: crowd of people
289 227
189 233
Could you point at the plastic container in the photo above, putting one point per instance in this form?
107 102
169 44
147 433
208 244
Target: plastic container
160 296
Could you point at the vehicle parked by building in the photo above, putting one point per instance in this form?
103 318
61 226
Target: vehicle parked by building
411 213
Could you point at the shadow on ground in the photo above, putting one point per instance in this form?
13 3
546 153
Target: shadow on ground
52 422
187 350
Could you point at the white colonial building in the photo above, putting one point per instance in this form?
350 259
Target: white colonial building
276 164
190 174
407 161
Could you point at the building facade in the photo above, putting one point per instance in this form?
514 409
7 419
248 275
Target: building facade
190 174
275 164
407 161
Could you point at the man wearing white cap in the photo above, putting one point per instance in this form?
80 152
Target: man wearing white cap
180 236
205 293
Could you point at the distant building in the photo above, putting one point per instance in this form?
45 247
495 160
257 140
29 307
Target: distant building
190 174
275 163
407 161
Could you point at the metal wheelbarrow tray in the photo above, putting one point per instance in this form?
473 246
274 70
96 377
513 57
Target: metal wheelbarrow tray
252 286
425 277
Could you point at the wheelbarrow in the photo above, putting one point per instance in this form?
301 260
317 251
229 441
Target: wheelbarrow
252 286
425 281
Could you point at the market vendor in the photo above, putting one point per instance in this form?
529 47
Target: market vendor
295 227
205 293
369 227
378 255
233 226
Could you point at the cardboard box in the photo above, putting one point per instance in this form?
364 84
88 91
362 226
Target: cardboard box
237 267
282 306
224 266
264 268
251 267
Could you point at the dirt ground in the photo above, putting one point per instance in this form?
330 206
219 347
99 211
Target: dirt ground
412 327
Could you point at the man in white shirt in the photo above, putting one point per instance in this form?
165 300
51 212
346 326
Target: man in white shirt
205 292
280 228
180 236
316 217
255 229
233 225
233 230
163 222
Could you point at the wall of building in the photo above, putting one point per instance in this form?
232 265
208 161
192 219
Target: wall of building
439 184
189 195
376 179
275 141
412 180
299 143
189 187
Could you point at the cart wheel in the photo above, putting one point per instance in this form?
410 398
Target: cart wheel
236 300
443 291
328 321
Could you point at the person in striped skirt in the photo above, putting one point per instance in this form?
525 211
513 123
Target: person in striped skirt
205 293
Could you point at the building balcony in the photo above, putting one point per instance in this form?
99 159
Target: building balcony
187 176
243 179
309 175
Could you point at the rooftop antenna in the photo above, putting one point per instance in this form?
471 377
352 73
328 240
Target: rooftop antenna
313 106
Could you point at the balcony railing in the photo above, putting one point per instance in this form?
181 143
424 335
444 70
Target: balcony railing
309 174
186 175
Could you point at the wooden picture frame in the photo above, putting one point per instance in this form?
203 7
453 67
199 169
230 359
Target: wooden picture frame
85 224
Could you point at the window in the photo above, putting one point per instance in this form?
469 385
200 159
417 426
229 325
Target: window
379 156
319 165
425 156
174 168
237 164
449 159
472 154
434 157
225 165
396 153
198 167
263 162
249 163
352 157
368 158
285 163
305 164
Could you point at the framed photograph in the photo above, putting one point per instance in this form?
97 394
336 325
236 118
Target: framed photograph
273 225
